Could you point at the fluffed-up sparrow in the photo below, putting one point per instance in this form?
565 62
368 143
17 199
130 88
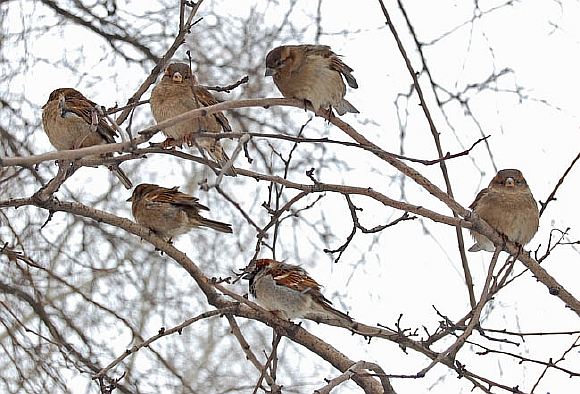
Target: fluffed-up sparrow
289 291
71 121
179 92
313 73
168 212
508 206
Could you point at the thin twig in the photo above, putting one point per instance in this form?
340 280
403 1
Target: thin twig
453 349
162 333
230 87
552 196
237 333
150 80
275 341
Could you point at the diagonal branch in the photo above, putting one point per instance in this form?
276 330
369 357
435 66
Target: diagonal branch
437 140
162 333
451 352
552 196
161 62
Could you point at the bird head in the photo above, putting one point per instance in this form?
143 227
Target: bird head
277 59
64 93
141 190
509 179
178 73
256 266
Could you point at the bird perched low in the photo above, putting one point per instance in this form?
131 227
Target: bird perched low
312 73
71 121
168 212
289 291
179 92
508 206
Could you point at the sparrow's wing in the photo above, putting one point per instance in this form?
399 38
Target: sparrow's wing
478 198
297 279
335 63
338 65
175 197
84 108
205 98
319 50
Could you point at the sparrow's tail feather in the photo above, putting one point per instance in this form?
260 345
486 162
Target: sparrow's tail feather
337 312
481 243
121 176
350 80
215 225
344 106
327 312
475 248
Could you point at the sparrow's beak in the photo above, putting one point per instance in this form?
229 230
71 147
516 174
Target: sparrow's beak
177 77
510 182
249 275
269 72
129 199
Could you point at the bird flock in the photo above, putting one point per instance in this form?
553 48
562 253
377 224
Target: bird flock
311 73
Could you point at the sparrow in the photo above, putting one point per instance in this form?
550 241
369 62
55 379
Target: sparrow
179 92
168 212
312 73
508 206
71 121
288 290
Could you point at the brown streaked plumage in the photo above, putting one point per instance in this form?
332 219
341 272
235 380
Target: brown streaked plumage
289 290
169 212
71 121
179 92
508 206
313 73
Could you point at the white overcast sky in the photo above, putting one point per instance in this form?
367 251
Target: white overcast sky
418 267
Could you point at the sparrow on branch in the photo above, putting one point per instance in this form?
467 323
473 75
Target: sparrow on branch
169 212
179 92
72 121
288 291
312 73
508 206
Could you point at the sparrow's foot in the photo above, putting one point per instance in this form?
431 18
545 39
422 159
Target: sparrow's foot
505 240
169 143
189 139
327 113
67 165
520 249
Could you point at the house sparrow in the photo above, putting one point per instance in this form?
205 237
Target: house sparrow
179 92
169 212
507 205
71 121
312 73
287 290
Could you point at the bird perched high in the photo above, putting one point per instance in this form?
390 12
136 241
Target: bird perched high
313 73
508 206
169 212
288 290
179 92
71 121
